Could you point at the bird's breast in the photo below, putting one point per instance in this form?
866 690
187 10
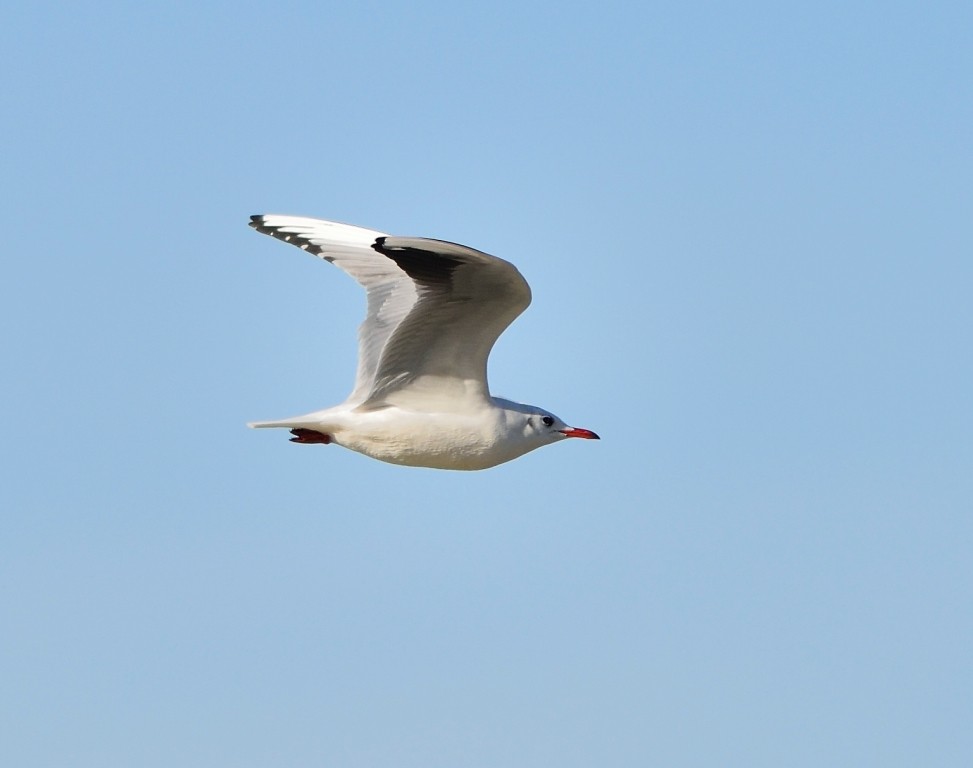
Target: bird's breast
440 441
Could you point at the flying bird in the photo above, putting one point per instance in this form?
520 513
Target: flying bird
435 309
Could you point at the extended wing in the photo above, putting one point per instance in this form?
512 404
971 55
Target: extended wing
435 310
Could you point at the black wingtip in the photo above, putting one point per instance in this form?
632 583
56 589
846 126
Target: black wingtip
257 223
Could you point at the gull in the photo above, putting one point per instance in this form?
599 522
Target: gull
435 309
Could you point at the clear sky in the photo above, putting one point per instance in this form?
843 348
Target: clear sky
748 231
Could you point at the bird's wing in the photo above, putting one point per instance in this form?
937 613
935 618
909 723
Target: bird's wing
435 310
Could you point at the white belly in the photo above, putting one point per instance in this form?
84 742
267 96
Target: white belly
439 441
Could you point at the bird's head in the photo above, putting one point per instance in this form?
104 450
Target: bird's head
540 427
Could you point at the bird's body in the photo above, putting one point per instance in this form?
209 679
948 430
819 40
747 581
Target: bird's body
435 310
465 439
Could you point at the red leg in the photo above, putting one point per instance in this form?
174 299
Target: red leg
309 436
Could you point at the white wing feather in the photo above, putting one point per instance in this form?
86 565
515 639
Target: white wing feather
435 309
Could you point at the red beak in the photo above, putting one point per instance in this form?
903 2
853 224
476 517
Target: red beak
587 434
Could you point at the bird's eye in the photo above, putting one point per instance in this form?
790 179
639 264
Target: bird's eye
547 421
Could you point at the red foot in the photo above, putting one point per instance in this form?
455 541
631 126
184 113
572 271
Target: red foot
309 436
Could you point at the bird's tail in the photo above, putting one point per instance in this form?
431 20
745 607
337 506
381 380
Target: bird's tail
269 424
321 420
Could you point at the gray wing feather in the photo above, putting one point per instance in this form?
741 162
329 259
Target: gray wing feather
435 310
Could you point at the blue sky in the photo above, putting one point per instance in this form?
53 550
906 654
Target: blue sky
747 228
